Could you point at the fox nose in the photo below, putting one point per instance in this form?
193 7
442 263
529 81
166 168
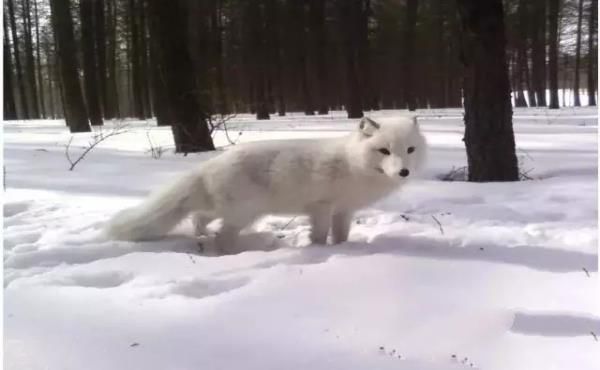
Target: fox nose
404 172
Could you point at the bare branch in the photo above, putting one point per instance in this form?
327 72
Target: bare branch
96 139
439 224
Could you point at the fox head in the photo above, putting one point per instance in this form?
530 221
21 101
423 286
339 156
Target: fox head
391 147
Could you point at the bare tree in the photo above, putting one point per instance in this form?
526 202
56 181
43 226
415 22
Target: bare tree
189 119
74 107
489 136
592 58
16 52
10 110
553 12
90 65
409 54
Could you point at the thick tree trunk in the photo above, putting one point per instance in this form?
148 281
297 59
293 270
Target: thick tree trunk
188 117
409 57
553 11
349 17
112 96
39 60
592 58
136 64
144 67
17 54
90 68
100 43
30 60
539 51
576 96
10 109
217 43
319 45
256 54
521 65
489 137
74 107
273 24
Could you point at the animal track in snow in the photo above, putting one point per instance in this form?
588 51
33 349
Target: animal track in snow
106 279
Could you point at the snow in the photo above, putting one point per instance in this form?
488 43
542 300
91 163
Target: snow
442 275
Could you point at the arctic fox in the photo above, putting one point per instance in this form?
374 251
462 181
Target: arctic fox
326 179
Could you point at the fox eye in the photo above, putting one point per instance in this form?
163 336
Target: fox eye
384 151
410 149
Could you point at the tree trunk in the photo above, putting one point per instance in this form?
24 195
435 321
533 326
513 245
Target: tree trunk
273 24
74 107
319 46
539 51
489 137
39 61
521 65
10 109
17 55
256 55
409 53
592 58
553 11
217 41
30 60
136 65
143 45
112 96
189 120
349 17
100 43
90 68
576 97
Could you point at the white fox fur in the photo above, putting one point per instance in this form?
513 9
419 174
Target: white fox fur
326 179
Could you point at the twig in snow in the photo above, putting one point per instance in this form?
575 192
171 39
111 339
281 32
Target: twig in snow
289 222
586 271
96 139
219 121
155 151
594 335
439 224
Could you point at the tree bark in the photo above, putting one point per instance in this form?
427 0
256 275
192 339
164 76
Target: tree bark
553 11
112 96
189 119
16 52
39 60
90 68
136 64
319 45
409 54
74 107
30 60
217 43
100 44
539 51
349 18
592 58
521 65
489 137
10 109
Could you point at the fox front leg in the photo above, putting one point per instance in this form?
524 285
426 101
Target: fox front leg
320 220
340 226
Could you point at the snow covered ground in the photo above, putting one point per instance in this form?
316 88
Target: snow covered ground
444 275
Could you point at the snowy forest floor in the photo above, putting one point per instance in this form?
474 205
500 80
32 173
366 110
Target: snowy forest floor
442 275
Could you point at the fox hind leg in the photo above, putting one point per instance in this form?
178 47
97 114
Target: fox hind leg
320 220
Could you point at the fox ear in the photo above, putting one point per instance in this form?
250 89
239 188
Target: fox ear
367 126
